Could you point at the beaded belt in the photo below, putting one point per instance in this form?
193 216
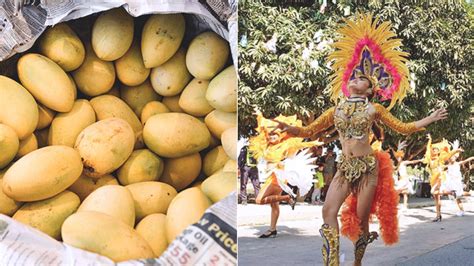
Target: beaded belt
352 168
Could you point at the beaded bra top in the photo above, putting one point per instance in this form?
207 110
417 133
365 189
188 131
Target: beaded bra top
352 118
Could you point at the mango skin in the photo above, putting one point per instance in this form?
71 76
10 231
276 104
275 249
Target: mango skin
219 185
62 45
42 173
8 206
181 172
18 108
48 215
103 234
207 55
153 229
222 91
161 37
151 197
104 146
175 135
85 185
9 145
180 215
65 127
142 165
112 34
113 200
46 81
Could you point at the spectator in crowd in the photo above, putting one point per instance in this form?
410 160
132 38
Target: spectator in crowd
247 170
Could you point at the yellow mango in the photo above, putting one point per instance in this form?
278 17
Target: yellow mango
18 108
222 91
219 185
172 103
161 38
46 81
9 145
214 160
180 172
193 98
230 166
130 68
103 234
229 142
104 146
26 146
8 206
170 78
207 55
95 76
85 185
108 106
151 109
112 34
152 229
113 200
175 135
151 197
66 126
138 96
142 165
218 122
48 215
180 213
42 174
45 118
62 45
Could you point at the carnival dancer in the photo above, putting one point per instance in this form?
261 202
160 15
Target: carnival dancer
403 184
283 165
453 185
367 63
436 157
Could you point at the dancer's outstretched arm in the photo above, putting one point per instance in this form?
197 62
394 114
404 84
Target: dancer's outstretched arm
321 123
414 161
407 128
467 160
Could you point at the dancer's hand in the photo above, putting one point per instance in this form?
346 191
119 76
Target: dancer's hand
439 114
284 127
281 125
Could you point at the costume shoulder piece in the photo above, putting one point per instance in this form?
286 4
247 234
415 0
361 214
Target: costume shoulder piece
370 50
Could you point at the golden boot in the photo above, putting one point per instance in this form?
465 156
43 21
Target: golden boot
330 247
361 245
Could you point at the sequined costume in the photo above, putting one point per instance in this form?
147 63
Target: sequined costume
281 159
435 162
367 50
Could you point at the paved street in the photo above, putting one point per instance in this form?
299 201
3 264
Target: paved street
422 242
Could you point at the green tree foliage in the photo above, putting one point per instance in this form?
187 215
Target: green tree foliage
291 76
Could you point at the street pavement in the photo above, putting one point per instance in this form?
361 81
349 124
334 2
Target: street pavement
422 242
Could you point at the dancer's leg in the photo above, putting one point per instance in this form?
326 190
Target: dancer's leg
459 203
437 198
337 193
275 213
335 197
271 193
405 200
364 203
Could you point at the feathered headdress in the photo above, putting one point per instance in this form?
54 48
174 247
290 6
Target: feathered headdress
368 50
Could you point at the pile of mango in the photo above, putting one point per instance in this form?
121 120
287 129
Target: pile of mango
117 143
